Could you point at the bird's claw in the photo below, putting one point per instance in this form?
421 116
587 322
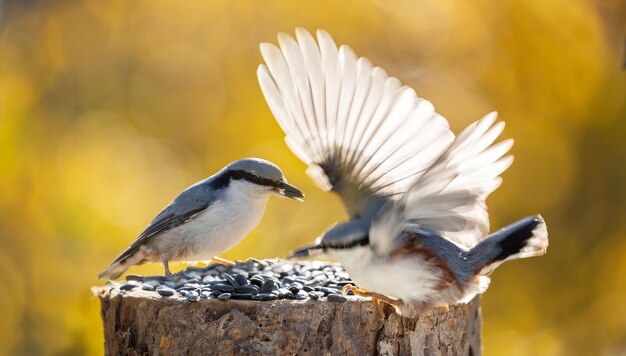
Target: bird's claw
350 288
376 297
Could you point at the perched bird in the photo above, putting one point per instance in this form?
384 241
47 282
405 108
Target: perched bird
415 193
208 218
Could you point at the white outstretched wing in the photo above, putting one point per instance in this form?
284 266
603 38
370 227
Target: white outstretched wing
361 132
449 198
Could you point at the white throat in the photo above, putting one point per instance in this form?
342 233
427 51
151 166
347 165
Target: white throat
237 213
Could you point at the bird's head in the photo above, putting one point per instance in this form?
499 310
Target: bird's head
261 177
339 237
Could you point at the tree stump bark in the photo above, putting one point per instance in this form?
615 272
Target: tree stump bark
139 322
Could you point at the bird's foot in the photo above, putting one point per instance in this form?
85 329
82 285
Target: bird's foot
222 261
166 266
350 288
376 297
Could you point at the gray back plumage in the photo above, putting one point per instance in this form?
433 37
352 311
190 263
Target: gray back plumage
454 257
353 232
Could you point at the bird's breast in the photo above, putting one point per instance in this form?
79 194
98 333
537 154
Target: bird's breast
217 229
408 279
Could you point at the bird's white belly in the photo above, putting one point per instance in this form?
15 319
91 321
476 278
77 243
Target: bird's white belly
213 231
409 279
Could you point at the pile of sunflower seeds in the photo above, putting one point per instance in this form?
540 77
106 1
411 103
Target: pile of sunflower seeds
261 280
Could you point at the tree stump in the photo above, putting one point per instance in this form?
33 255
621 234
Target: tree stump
138 322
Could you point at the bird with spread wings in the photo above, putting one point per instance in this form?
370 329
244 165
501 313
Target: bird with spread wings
414 192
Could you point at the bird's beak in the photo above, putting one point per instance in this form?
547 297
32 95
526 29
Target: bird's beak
307 251
287 190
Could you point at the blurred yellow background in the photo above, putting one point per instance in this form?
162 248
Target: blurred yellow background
108 109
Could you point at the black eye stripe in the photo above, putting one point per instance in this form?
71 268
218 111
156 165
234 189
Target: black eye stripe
253 178
224 178
360 242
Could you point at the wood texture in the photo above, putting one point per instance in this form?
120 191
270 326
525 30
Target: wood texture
139 322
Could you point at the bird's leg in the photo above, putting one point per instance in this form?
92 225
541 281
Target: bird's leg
222 261
167 268
376 297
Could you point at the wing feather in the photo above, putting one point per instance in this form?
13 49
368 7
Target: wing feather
280 73
315 73
449 197
332 85
186 206
295 62
362 133
166 220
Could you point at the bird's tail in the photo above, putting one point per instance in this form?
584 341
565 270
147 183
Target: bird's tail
525 238
114 270
133 255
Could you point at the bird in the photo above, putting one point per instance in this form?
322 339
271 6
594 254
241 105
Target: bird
208 218
417 236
